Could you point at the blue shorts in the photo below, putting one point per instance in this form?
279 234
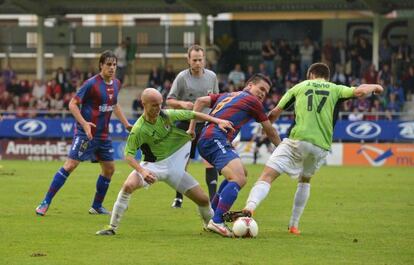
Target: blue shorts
83 149
218 152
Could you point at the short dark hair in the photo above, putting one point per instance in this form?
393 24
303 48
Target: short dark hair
320 70
196 48
105 55
256 78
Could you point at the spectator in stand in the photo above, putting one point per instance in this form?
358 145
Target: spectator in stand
393 106
365 55
250 72
2 85
408 83
213 54
53 89
327 53
268 55
384 76
403 56
361 104
356 115
169 74
7 102
398 90
292 76
371 75
262 69
154 78
285 53
339 54
60 77
137 107
121 67
74 75
42 105
354 57
39 90
306 56
237 77
385 52
339 77
278 81
8 74
15 90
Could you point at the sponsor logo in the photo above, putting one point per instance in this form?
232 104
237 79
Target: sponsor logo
375 156
30 127
363 129
106 108
407 129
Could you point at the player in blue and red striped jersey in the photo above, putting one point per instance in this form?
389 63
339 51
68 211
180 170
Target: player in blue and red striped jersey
215 145
92 107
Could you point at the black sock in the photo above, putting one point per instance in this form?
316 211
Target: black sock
211 180
179 195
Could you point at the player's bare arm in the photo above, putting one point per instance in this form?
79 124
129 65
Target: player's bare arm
366 89
74 109
199 105
179 104
148 176
224 125
271 132
118 113
274 114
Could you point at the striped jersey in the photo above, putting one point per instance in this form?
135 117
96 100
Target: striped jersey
97 100
239 108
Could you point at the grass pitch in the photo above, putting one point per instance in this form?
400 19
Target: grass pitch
354 215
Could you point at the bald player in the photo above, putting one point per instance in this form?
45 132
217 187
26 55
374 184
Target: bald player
165 150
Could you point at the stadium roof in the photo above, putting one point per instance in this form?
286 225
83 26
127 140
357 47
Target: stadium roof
207 7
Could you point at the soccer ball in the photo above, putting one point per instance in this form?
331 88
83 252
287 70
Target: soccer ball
245 227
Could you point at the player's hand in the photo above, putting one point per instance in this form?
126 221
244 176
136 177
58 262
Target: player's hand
225 125
87 128
148 176
191 133
129 127
188 105
379 89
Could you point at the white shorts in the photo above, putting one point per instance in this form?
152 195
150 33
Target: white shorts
172 170
297 158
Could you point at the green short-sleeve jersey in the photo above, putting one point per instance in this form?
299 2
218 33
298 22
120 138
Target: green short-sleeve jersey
158 141
315 102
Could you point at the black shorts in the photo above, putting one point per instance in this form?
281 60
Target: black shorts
183 125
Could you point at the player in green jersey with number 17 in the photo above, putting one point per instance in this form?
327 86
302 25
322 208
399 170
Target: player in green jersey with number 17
315 101
165 150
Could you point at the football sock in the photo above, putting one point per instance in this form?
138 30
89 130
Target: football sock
120 206
206 213
57 182
102 185
257 194
211 181
215 199
299 203
179 195
227 198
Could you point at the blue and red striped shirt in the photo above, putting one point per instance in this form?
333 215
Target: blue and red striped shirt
238 108
98 100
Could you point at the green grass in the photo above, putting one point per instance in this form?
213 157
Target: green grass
355 215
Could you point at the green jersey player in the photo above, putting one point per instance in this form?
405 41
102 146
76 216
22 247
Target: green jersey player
165 150
303 152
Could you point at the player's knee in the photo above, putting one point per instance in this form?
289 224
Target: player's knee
130 187
70 165
305 179
108 171
203 200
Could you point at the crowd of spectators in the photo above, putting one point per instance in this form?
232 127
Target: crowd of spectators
283 62
22 98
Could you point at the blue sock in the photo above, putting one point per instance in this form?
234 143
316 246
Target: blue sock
102 185
227 198
216 197
57 182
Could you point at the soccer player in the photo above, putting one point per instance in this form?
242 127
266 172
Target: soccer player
166 150
190 84
215 146
302 154
92 107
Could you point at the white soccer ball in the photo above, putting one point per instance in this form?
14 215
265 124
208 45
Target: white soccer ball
245 227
